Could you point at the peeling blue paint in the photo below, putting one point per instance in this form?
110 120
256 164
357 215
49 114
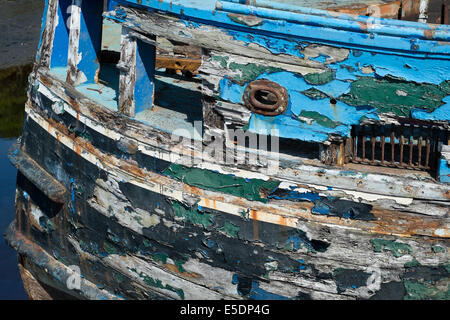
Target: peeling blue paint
295 195
274 45
302 265
342 29
288 124
191 24
260 294
329 206
61 47
145 70
321 208
419 70
444 170
440 114
72 193
230 91
257 293
90 38
288 127
297 241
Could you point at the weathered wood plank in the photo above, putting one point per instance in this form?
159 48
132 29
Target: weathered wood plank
127 82
48 33
207 36
74 75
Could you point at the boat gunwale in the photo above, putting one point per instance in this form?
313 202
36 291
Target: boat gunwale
341 15
311 16
419 47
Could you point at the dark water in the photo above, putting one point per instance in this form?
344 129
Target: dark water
20 22
13 83
10 282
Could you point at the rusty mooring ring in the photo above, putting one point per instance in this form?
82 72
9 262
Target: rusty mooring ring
277 95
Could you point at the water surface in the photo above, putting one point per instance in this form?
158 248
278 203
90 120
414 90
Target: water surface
10 282
13 83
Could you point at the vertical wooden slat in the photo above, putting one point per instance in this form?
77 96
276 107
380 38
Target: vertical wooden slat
341 155
428 149
74 76
348 149
423 10
364 143
48 34
373 140
127 67
402 136
392 145
411 146
436 147
363 147
419 149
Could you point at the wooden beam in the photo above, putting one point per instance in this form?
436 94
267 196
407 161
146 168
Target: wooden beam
178 63
127 81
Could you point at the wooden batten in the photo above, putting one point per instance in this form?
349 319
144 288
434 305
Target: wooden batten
127 66
48 34
74 77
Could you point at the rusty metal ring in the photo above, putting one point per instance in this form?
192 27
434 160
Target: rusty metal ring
271 88
254 89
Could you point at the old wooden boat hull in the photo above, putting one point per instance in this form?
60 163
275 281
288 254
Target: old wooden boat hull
110 206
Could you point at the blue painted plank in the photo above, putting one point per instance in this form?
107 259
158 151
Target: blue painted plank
145 73
444 171
90 37
411 38
61 42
